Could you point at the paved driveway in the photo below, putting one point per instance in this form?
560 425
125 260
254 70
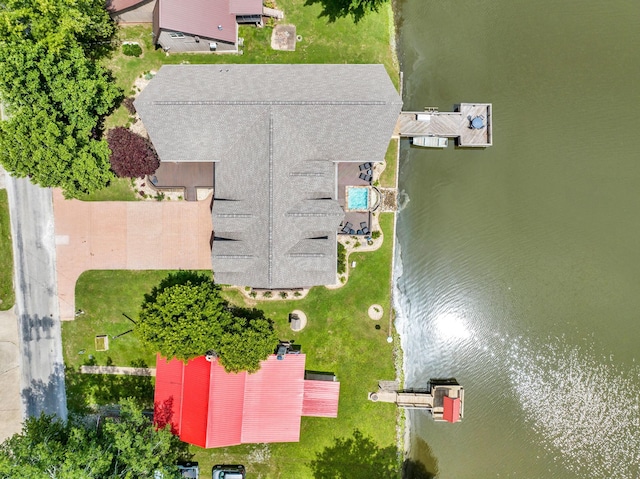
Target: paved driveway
133 235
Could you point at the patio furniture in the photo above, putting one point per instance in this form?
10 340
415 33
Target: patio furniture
363 176
352 232
359 232
365 230
363 224
362 167
369 172
349 225
367 178
345 230
368 165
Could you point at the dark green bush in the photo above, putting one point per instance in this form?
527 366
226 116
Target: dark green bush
132 49
375 234
342 259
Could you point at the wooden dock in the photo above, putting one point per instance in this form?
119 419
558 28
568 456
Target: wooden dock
471 125
444 399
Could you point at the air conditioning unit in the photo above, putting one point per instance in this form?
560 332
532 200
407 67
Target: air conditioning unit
213 46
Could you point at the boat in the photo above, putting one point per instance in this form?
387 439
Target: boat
430 141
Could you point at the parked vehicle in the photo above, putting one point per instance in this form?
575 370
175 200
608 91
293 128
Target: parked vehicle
226 471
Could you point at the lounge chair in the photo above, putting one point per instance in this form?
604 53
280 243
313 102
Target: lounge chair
367 178
365 230
368 165
345 230
363 224
363 167
363 176
349 225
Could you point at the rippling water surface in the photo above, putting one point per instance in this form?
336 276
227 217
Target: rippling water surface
519 267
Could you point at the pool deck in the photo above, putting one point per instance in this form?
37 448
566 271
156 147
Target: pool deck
348 175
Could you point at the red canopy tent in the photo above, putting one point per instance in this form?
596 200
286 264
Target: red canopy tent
451 409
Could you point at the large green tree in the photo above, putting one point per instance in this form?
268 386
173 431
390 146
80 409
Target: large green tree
356 9
55 93
185 316
127 446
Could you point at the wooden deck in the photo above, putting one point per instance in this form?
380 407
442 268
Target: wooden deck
450 125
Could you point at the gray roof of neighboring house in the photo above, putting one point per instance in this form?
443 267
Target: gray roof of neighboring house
276 133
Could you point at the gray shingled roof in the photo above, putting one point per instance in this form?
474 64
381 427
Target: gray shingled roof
276 133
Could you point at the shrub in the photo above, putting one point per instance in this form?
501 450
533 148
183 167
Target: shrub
283 294
267 294
128 104
131 155
132 49
253 294
375 234
342 258
297 294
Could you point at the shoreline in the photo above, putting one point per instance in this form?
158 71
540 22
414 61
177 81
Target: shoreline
403 424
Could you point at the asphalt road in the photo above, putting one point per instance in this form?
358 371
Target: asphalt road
42 367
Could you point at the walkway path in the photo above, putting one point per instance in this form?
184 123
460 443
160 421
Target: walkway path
125 371
135 235
10 404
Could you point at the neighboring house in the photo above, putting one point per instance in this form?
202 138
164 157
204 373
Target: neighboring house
190 25
276 135
202 25
209 407
131 11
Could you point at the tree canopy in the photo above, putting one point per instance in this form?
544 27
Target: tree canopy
357 9
125 446
185 316
55 93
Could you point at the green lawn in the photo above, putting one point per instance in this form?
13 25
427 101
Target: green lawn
339 338
388 176
340 42
6 255
118 190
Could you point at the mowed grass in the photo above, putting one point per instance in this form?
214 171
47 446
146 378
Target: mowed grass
6 255
339 338
388 176
343 41
119 189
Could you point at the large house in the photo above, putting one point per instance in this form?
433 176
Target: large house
190 25
276 137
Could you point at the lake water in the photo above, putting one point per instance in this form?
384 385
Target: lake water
519 267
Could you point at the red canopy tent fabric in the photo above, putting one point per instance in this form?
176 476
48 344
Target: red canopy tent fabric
209 407
451 409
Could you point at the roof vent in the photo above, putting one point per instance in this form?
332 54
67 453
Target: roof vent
220 27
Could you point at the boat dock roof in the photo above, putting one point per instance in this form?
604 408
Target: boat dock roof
472 124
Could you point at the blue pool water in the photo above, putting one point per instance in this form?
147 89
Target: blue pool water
357 198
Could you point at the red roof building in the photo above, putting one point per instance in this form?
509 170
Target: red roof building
451 409
209 407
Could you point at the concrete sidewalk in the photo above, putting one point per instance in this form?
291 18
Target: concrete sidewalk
10 399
